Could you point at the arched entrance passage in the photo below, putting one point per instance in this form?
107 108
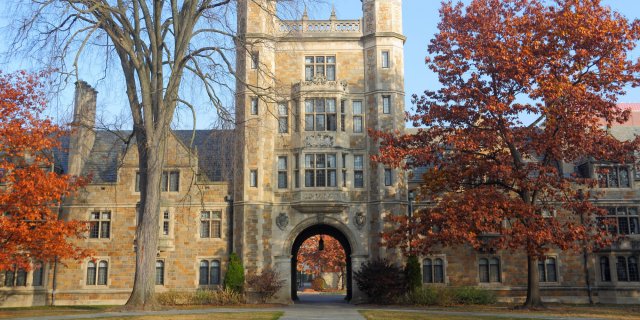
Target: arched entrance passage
314 230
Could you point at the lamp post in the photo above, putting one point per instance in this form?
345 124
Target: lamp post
321 244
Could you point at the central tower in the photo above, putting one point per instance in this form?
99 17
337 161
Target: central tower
307 92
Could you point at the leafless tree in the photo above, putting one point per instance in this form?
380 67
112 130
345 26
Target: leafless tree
156 44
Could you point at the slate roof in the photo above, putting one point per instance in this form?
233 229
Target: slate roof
214 148
623 133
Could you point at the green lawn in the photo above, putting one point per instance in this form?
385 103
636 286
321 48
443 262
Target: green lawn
217 316
40 313
391 315
618 312
58 308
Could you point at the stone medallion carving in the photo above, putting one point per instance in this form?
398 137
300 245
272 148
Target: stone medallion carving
319 140
282 221
359 220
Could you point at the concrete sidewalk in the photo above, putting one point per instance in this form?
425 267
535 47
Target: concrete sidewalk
312 306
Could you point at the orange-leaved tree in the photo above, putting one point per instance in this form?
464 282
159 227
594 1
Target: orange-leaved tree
331 259
492 178
30 188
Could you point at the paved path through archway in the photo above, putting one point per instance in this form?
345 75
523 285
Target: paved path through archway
321 307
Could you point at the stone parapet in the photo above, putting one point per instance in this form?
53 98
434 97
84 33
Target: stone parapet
320 28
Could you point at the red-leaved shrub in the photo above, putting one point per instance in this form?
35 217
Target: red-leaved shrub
381 280
267 283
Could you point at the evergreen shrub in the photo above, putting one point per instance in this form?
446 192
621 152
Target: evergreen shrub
412 274
234 279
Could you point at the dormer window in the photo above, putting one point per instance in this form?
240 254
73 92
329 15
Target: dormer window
320 66
170 181
613 177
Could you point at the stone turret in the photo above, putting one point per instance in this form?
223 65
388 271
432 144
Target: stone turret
382 16
84 122
383 44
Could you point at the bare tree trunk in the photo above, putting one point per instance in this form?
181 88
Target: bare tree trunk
534 299
343 276
151 155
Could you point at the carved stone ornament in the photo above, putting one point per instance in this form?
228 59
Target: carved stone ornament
319 140
320 218
359 220
282 221
320 80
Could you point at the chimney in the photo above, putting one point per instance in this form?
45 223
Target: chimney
84 122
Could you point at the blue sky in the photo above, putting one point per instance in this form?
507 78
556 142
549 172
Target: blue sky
420 19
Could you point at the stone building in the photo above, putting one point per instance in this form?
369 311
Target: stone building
297 166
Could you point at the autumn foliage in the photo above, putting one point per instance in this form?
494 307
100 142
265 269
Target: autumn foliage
331 259
495 182
266 283
30 189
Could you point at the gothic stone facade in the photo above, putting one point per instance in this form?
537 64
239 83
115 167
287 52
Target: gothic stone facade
300 168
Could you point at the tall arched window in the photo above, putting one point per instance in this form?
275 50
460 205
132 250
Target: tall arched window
37 274
215 272
633 269
484 270
102 273
204 272
551 270
426 271
605 272
438 271
91 273
494 265
621 268
159 272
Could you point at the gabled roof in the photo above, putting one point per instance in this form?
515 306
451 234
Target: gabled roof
215 152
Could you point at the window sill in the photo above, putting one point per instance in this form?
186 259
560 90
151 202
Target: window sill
491 284
98 239
622 284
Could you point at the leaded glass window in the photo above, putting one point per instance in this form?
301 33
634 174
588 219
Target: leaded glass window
210 224
605 271
159 272
427 276
100 225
